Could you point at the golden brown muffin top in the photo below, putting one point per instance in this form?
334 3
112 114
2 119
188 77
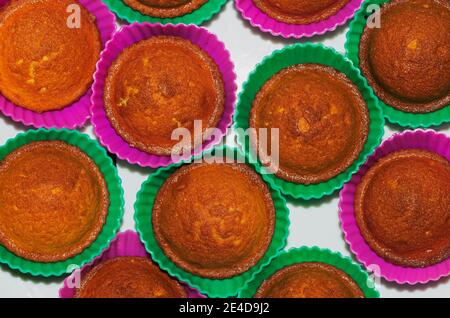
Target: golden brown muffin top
322 118
300 11
214 220
165 8
309 280
407 60
53 199
158 85
129 277
44 64
402 208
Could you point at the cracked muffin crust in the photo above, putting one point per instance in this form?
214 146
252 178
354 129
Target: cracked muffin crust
44 64
214 220
54 201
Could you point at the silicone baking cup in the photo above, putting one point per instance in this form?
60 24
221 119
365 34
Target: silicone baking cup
211 287
312 254
418 139
125 244
259 19
131 34
77 113
202 14
115 212
302 54
393 115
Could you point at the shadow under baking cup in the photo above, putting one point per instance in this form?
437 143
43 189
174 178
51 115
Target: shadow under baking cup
265 23
134 33
77 113
204 13
115 210
125 244
303 54
417 139
212 287
392 114
312 254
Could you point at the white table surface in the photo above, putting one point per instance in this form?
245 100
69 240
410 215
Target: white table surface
312 223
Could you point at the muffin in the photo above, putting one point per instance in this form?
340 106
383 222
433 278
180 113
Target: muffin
129 277
322 118
300 11
165 8
402 208
309 280
54 201
46 65
407 60
214 220
161 84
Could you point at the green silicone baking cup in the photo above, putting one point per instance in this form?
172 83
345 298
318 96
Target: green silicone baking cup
212 287
199 16
312 254
393 115
303 54
115 212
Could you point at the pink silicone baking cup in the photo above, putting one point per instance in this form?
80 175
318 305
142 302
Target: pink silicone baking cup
125 244
131 34
417 139
259 19
76 114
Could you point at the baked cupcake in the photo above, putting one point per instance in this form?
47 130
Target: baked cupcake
158 85
322 118
165 8
46 63
309 280
129 277
300 11
407 60
402 208
54 201
214 220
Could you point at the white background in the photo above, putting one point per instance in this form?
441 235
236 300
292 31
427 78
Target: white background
313 222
